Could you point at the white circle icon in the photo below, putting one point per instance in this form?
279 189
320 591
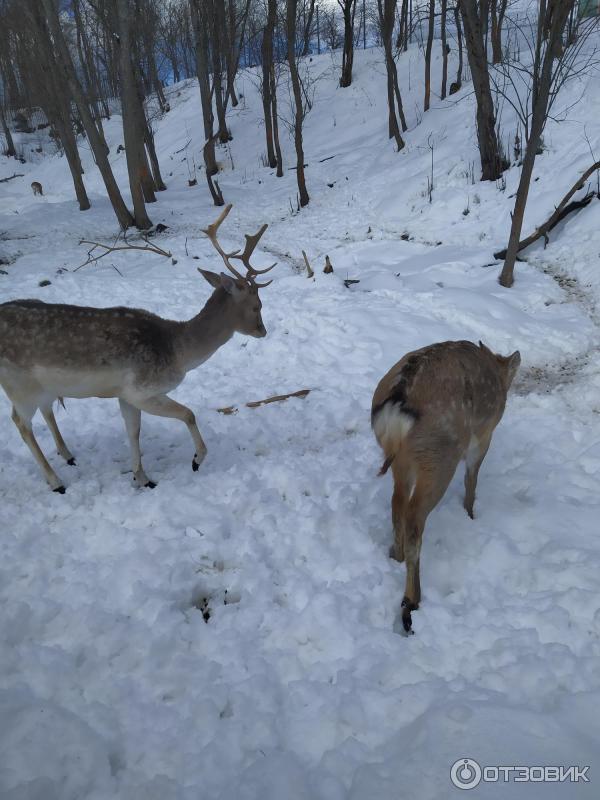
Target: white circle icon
465 773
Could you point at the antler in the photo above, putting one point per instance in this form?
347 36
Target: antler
244 257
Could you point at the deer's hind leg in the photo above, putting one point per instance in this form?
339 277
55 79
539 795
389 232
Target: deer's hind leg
403 488
22 416
432 479
477 451
61 447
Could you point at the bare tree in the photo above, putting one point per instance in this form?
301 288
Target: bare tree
65 67
332 35
403 31
269 90
9 150
445 47
428 48
175 38
137 165
459 39
474 17
298 99
387 11
237 16
548 60
348 11
308 26
200 12
497 12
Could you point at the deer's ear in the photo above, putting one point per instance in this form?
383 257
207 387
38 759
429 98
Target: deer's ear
228 283
514 362
211 277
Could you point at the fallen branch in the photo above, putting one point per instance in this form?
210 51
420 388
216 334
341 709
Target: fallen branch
185 146
256 403
560 212
16 175
148 247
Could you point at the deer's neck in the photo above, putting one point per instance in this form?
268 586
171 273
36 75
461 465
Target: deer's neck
202 335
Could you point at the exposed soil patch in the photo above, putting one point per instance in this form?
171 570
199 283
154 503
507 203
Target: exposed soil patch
545 378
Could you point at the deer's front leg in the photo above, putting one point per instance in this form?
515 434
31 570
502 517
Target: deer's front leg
163 406
61 447
132 417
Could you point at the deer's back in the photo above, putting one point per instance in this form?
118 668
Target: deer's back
452 390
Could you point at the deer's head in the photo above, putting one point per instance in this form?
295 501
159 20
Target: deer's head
243 300
241 290
508 365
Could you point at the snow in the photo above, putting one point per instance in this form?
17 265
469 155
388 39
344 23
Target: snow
112 685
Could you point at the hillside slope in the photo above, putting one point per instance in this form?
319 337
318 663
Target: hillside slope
299 686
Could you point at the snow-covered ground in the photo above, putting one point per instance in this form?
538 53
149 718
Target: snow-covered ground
299 686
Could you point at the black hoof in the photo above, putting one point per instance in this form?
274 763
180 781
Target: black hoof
407 607
71 462
59 490
195 465
150 485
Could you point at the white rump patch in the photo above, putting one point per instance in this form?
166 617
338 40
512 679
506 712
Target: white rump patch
391 423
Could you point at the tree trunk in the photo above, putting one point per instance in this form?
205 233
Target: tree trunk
402 40
492 164
70 147
551 25
234 47
348 10
159 184
459 69
137 165
7 69
431 20
444 8
95 93
267 65
58 113
10 145
199 18
497 10
387 12
308 28
278 156
297 92
218 29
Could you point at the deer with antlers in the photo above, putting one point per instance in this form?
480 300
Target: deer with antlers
49 351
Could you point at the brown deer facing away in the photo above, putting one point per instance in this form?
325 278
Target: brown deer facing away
48 352
37 187
435 407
